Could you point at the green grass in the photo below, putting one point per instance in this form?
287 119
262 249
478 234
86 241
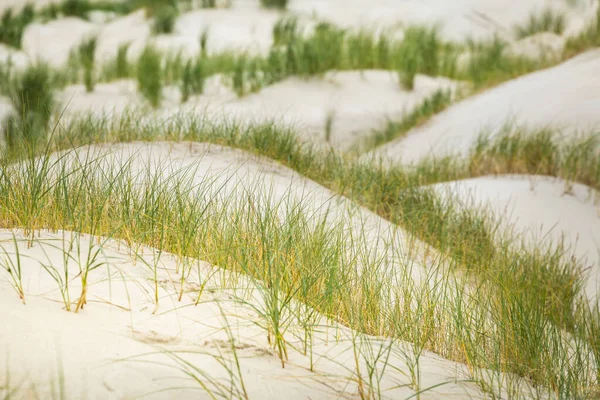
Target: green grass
119 68
511 313
12 25
545 152
75 8
488 64
150 81
419 52
394 129
209 3
330 48
87 51
588 38
285 30
280 4
164 19
546 21
31 94
121 63
192 81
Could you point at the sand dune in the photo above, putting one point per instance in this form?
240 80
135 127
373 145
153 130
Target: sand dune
116 347
565 97
541 209
358 102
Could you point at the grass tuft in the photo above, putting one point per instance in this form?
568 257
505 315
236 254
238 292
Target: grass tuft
75 8
149 75
164 19
87 51
547 21
394 129
32 97
192 82
280 4
12 25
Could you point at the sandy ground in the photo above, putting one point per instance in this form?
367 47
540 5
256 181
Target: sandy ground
565 97
541 209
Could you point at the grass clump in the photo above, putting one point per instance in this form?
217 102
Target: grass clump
87 51
32 97
489 65
547 21
285 30
76 8
542 152
119 67
424 46
164 19
432 105
12 25
316 54
192 82
280 4
408 66
121 63
149 75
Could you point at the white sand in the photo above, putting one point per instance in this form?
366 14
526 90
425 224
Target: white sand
359 103
52 42
566 97
541 209
241 30
133 30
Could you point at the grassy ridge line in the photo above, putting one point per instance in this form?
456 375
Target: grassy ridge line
543 284
431 105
